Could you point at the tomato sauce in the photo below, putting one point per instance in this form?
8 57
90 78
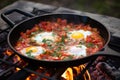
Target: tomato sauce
58 39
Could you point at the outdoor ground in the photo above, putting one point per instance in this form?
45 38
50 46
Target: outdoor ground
105 7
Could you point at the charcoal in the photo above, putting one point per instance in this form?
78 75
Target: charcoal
113 73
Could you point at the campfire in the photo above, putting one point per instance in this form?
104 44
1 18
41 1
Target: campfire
69 74
100 69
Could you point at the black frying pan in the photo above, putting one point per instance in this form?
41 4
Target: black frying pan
14 34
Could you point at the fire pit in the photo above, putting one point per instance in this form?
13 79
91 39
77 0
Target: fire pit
12 67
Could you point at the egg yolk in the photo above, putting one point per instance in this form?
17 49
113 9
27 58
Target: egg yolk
31 48
77 35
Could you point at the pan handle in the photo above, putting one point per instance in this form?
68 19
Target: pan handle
9 21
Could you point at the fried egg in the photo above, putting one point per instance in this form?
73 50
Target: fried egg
32 51
38 38
79 34
77 51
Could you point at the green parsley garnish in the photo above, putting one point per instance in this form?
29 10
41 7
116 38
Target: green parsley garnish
47 41
29 54
68 57
90 44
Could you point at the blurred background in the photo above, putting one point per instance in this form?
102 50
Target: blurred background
105 7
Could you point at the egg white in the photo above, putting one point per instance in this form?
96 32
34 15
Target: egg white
38 38
77 51
85 33
39 51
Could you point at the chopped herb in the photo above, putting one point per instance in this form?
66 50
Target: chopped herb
47 41
82 42
56 54
66 29
79 46
68 57
90 44
59 48
20 39
43 51
33 33
69 32
61 43
44 40
63 39
53 34
29 54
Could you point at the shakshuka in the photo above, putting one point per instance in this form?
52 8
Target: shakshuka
59 40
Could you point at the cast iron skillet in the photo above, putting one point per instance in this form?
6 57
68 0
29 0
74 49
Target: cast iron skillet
14 34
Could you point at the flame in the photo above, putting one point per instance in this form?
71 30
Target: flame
29 77
17 58
8 52
69 75
40 70
79 69
33 77
17 69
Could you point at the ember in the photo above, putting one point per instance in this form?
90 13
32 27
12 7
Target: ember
17 69
40 70
8 52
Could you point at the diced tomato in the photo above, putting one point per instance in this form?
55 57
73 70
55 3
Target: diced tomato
43 23
43 45
65 54
28 32
21 33
48 28
24 36
89 28
35 28
62 33
92 50
59 20
64 22
89 39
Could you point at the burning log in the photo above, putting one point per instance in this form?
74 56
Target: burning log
108 71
